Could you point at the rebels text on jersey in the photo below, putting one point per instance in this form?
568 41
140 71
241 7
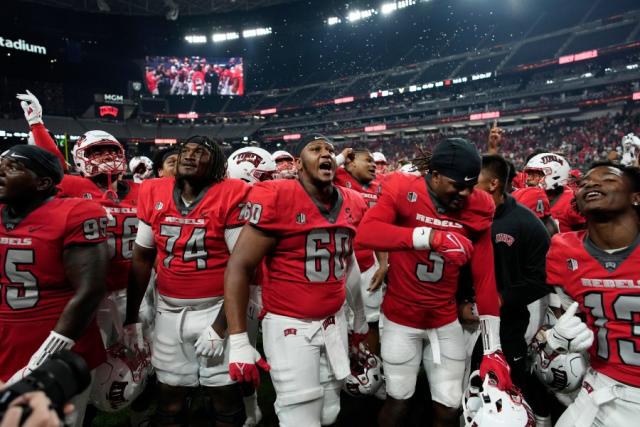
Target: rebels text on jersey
421 284
121 228
307 268
564 212
370 193
33 287
192 251
607 288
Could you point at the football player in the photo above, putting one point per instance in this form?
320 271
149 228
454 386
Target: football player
598 269
428 224
381 163
551 172
54 262
358 174
284 164
164 162
304 229
189 224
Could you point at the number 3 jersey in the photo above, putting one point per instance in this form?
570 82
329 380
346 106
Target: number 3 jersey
607 286
192 251
121 227
33 286
421 284
307 267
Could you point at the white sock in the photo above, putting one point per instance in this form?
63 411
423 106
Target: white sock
543 421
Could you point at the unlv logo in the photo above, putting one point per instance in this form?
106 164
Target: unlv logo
551 158
116 394
252 158
108 110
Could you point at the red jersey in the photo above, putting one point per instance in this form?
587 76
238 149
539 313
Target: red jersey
33 286
152 83
307 268
366 257
421 286
122 226
607 287
563 211
520 180
192 250
534 198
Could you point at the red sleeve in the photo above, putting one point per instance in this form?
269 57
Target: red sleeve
86 224
43 140
484 276
379 221
238 197
260 210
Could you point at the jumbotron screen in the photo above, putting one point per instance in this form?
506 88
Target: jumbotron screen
194 75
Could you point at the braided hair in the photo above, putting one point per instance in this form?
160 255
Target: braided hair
217 168
423 161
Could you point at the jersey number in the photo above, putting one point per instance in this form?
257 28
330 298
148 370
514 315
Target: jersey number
431 272
624 307
324 255
129 230
194 250
23 291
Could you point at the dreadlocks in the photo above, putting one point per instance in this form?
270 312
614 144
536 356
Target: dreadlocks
423 161
217 167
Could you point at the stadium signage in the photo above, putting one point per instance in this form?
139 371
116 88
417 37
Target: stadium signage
292 136
268 111
191 115
113 99
108 110
636 96
578 56
343 100
375 128
482 116
165 141
22 45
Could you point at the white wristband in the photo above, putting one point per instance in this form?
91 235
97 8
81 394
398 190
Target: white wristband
340 159
53 344
421 236
240 339
490 329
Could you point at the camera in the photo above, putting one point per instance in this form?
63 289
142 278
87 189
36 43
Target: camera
61 377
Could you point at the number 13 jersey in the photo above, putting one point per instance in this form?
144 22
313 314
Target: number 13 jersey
607 286
307 268
192 251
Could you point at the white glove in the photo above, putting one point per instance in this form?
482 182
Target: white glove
244 360
209 343
31 106
570 334
54 343
133 338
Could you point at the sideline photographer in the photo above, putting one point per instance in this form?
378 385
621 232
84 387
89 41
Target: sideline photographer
42 412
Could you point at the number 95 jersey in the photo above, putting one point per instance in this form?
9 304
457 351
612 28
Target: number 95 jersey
306 270
607 287
192 251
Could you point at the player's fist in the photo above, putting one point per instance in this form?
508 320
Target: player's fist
496 365
133 338
455 247
31 107
570 334
244 360
209 343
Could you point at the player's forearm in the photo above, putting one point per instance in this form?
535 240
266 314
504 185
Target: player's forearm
86 269
381 236
237 278
43 140
139 276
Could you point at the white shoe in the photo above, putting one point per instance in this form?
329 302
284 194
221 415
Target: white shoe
252 411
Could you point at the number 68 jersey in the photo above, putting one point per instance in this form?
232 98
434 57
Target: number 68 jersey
607 287
192 251
306 271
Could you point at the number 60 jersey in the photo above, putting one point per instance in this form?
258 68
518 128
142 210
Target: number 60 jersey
306 271
607 287
192 251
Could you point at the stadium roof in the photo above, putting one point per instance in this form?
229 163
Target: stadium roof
160 7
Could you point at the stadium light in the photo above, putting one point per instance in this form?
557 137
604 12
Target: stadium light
333 20
357 15
256 32
405 3
220 37
196 38
387 8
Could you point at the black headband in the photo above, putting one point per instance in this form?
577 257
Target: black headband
39 161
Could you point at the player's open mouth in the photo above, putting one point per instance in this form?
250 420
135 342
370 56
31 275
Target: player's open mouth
593 195
325 165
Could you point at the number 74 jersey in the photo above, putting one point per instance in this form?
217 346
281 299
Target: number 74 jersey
607 287
192 250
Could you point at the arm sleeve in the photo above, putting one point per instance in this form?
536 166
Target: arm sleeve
379 221
43 140
484 276
144 236
532 283
231 237
354 297
86 224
